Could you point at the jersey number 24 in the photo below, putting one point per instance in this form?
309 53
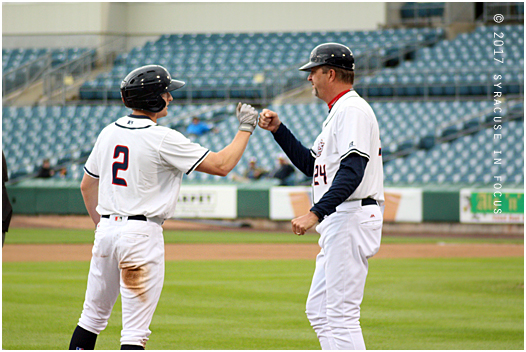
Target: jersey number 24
320 172
120 149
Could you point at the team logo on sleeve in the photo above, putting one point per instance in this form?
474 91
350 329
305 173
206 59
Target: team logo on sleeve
321 144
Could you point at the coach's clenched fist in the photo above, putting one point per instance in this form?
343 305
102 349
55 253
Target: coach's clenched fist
269 120
301 224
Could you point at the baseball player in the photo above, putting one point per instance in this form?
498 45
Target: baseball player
130 186
7 210
345 164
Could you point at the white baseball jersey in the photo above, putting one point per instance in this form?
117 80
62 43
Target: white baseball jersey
351 127
140 165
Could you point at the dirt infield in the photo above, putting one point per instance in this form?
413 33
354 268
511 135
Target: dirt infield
75 252
85 223
82 252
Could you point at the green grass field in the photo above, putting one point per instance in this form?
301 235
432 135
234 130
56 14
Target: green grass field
49 236
455 303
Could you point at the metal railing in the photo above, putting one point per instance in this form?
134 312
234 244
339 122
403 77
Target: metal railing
510 12
20 78
62 79
416 14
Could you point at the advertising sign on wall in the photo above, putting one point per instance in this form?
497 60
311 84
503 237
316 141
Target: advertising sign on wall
287 203
492 206
401 204
212 202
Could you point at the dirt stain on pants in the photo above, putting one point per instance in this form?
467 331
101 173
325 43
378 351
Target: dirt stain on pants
134 277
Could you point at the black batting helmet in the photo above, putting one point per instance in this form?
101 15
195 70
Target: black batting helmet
332 54
141 89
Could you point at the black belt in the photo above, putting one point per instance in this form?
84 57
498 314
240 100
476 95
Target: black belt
366 201
132 217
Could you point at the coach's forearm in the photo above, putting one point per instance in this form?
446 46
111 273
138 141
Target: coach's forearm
90 193
299 155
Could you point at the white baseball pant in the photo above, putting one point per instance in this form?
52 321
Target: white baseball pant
348 238
128 257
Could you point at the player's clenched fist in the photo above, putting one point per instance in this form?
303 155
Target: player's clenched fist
247 116
269 120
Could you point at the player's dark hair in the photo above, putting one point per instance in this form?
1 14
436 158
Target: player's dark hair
344 76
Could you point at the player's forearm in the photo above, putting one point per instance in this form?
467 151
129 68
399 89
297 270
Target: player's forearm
229 156
90 193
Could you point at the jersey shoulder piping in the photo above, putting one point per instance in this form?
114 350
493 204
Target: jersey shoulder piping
90 173
197 162
356 151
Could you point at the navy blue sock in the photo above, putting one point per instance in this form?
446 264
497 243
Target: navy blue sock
82 339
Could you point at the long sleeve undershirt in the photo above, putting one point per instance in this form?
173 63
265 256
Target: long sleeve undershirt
346 180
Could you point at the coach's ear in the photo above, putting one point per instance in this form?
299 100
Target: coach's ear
332 75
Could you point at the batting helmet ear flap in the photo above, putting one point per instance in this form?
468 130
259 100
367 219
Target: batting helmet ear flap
156 105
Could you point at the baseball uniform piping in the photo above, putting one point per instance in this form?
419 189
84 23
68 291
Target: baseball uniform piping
89 173
132 128
355 151
198 162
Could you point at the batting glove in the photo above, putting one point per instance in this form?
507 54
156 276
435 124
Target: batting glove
247 116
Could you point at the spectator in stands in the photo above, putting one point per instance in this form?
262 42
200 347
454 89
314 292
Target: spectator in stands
45 170
198 127
7 210
63 172
253 172
284 171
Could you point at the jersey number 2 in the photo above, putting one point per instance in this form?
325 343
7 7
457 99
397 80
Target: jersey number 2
120 149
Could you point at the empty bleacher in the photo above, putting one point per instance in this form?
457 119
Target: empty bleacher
247 65
463 66
14 58
21 66
467 160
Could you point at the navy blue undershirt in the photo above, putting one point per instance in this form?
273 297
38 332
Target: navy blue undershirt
346 180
